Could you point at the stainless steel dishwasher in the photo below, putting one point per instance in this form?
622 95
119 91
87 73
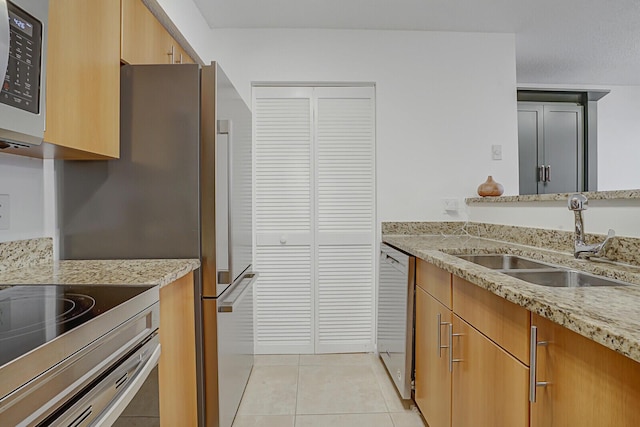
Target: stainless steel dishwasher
396 287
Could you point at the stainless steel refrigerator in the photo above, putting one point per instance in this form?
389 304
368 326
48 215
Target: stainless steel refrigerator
182 188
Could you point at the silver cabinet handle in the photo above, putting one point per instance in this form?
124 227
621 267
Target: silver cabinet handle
533 364
439 335
547 173
171 53
541 173
451 359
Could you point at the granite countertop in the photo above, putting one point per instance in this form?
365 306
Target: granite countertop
608 315
158 272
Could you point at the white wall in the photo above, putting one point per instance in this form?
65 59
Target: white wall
619 139
22 178
442 100
620 215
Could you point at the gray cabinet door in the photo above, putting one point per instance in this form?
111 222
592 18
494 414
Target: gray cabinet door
562 149
530 135
551 148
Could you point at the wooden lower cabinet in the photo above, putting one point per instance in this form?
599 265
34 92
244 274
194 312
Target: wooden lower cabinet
588 384
177 365
490 387
432 376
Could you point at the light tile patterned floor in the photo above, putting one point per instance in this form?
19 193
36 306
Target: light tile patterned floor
328 390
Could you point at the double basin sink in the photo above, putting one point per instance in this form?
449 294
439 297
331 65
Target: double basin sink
539 273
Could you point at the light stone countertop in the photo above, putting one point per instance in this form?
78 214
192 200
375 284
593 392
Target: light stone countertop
592 195
156 272
608 315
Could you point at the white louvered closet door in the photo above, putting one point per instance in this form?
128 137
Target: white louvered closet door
344 231
314 215
283 215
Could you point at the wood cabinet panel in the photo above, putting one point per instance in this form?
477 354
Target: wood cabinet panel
83 80
504 322
432 376
589 384
177 365
490 387
435 281
144 40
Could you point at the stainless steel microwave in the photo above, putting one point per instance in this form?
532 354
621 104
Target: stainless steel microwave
23 41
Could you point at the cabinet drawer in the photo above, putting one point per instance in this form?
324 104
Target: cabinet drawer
435 281
504 322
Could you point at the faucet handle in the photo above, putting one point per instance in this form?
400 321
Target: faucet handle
610 234
577 202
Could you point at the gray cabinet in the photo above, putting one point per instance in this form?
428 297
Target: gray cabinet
551 147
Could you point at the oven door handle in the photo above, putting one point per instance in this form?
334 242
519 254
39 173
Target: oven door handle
105 401
111 414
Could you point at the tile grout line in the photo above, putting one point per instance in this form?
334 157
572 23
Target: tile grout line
295 406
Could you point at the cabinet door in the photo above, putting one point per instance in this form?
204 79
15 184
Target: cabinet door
550 136
530 132
83 78
144 40
563 149
490 387
433 379
589 384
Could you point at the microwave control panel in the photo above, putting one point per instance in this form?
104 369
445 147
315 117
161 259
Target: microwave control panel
21 85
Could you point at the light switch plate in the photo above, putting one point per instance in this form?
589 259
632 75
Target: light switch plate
496 152
4 211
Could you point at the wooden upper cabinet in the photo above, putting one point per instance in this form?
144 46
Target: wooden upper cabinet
144 40
180 55
83 80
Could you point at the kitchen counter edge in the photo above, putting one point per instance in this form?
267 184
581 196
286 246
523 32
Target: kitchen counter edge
130 272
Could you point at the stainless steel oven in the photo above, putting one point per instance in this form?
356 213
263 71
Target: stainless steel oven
74 355
23 41
396 287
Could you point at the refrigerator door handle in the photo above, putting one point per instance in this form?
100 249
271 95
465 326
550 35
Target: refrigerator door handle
237 291
225 128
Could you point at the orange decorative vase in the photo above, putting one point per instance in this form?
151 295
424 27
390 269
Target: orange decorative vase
490 188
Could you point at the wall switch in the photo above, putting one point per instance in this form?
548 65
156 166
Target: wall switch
4 211
450 205
496 152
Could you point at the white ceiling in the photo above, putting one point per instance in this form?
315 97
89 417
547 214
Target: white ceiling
557 41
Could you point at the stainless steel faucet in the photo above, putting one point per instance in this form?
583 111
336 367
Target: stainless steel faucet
578 203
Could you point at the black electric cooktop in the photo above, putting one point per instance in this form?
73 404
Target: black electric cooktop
31 316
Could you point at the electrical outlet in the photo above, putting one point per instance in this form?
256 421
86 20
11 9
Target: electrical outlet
496 152
4 211
450 205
